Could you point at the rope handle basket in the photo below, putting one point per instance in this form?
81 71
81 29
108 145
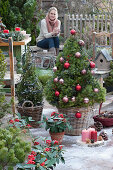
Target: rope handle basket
28 101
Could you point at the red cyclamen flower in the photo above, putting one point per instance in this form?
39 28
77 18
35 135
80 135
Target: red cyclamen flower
31 157
11 121
33 153
48 142
61 115
60 147
56 142
42 164
16 120
36 143
28 125
31 162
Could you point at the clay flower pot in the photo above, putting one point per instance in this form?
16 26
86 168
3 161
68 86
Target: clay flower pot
57 136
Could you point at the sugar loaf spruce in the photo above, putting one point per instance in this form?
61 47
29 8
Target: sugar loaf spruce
73 83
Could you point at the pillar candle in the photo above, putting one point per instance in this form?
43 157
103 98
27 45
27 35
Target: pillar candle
94 135
5 31
17 29
85 135
90 130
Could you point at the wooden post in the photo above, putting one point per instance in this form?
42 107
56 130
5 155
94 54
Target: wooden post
112 43
94 46
12 73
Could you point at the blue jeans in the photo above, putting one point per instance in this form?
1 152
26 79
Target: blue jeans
48 43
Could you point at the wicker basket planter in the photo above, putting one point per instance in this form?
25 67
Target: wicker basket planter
78 124
34 111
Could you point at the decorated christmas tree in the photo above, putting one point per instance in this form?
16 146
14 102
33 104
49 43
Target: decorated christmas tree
73 83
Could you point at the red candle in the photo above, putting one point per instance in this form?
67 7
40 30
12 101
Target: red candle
94 135
17 29
5 31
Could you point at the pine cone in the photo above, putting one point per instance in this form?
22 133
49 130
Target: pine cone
98 126
104 135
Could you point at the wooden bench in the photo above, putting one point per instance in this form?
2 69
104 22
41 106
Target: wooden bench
43 58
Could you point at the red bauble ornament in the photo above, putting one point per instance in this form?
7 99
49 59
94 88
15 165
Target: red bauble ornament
65 99
56 80
61 59
78 115
81 42
92 72
66 65
73 99
83 71
86 100
77 55
78 87
55 69
96 90
73 32
57 93
61 81
92 64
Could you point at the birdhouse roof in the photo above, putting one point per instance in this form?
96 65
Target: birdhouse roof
105 54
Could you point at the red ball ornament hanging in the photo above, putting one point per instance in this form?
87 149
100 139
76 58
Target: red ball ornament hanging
66 65
55 69
61 81
78 87
56 80
96 90
73 32
78 115
92 64
86 100
77 55
73 99
65 99
57 93
83 71
81 42
61 59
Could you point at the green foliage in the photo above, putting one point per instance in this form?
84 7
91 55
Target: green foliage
45 155
56 122
12 147
20 13
4 106
73 76
30 87
109 80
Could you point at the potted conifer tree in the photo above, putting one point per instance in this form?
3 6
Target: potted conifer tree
73 88
29 92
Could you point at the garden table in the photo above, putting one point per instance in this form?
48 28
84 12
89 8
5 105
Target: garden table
19 48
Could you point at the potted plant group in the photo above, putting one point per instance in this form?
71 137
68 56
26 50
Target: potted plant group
73 89
29 92
56 124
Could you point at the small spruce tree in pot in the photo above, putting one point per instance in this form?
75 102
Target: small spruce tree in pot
29 91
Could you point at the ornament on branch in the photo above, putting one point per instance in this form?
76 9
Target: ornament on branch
61 81
83 71
86 100
78 87
92 72
55 69
66 65
96 90
73 99
81 42
77 55
73 32
61 59
65 99
78 115
92 64
57 93
56 80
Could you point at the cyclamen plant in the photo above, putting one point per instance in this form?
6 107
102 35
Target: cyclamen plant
44 155
56 122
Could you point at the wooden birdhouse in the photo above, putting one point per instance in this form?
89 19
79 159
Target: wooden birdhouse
103 60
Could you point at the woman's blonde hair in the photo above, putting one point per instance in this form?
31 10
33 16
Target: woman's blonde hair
53 8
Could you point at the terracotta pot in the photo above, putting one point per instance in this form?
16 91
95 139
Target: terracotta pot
57 136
